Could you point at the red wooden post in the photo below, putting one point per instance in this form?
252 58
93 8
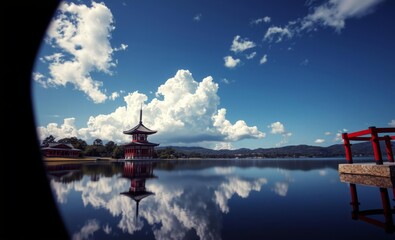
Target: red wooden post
376 145
347 147
354 201
389 223
388 148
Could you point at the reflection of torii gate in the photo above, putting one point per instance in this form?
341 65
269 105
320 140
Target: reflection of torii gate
138 172
383 184
363 215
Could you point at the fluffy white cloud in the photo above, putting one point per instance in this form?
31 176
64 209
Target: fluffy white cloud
239 44
392 123
237 131
327 133
319 141
114 95
184 111
231 62
263 59
67 129
40 78
77 31
265 19
277 128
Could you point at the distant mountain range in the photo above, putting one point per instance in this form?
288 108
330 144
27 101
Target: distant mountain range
297 151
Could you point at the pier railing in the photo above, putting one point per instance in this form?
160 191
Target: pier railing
376 135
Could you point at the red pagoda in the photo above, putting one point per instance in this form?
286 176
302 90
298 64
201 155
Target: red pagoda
139 148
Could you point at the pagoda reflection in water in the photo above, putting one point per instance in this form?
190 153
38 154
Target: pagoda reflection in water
138 172
372 216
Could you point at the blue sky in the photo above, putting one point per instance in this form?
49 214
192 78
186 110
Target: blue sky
217 74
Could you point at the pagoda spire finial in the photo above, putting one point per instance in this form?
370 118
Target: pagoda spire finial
141 113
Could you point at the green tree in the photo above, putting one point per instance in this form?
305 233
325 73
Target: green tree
118 152
167 153
49 139
77 143
97 142
110 146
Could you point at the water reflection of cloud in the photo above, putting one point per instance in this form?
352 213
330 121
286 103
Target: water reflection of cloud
87 230
224 170
182 212
237 186
281 188
179 210
62 190
322 172
107 229
124 206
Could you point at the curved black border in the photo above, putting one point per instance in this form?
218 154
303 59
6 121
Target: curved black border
32 212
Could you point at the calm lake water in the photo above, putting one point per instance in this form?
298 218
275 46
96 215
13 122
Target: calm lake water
218 199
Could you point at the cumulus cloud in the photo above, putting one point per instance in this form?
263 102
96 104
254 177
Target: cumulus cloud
114 95
234 132
183 111
278 128
231 62
76 32
319 141
263 59
40 78
65 130
239 44
392 123
327 133
265 19
332 14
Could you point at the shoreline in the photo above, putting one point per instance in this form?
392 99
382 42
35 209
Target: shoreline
80 159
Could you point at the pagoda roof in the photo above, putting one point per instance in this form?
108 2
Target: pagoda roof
139 128
59 146
146 143
138 195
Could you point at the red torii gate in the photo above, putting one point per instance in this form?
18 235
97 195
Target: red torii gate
374 139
